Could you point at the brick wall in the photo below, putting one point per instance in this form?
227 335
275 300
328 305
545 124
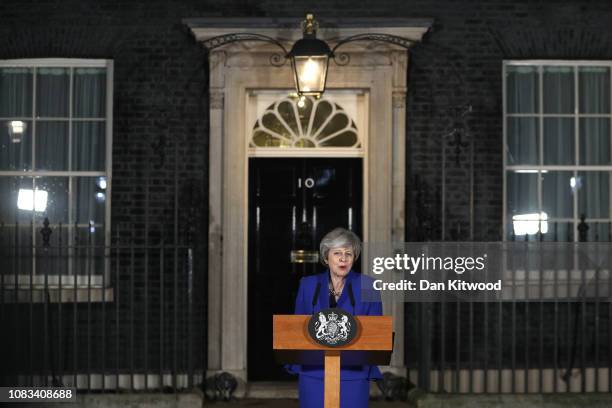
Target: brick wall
160 137
161 87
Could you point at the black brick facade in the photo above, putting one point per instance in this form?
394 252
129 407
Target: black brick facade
160 136
161 87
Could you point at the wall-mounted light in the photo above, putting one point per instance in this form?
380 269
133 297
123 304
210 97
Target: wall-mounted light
32 200
309 56
309 60
530 171
100 189
16 129
102 183
530 224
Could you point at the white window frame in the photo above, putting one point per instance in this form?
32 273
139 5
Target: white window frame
82 279
575 168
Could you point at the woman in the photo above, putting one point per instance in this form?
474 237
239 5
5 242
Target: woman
338 286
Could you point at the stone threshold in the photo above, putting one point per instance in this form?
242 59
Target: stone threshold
560 400
271 390
283 390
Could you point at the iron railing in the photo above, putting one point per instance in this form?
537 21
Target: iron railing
76 312
540 345
131 315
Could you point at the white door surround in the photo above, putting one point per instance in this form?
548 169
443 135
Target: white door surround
380 69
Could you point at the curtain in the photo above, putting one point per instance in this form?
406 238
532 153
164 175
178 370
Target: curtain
52 87
595 141
89 97
558 84
88 146
594 98
594 194
90 200
51 146
559 141
522 132
594 90
522 89
16 156
56 208
16 92
523 140
557 199
15 102
522 192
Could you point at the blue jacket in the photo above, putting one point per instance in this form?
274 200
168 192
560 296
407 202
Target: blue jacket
303 305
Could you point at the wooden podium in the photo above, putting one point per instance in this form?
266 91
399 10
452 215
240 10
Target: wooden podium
373 346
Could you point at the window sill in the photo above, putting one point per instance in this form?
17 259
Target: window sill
25 281
66 295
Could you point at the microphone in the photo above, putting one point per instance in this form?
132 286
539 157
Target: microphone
351 296
316 295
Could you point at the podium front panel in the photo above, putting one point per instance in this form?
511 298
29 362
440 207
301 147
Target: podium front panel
291 333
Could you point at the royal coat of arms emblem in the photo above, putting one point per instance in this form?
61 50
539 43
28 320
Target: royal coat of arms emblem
332 327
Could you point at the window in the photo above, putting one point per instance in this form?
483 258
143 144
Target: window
282 124
557 154
55 165
305 123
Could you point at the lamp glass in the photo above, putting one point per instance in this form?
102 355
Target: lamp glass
32 200
310 74
16 129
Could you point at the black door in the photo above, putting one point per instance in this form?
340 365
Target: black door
293 203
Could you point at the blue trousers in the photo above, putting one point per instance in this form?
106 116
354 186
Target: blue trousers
353 393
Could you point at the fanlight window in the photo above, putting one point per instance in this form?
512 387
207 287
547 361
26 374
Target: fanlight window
306 123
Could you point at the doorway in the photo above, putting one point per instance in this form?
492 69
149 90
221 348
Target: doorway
293 203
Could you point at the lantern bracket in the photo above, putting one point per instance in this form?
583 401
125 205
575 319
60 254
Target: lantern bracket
276 59
309 28
344 58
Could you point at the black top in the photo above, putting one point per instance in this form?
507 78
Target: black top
332 298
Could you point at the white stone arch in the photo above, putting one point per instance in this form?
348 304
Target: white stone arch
237 69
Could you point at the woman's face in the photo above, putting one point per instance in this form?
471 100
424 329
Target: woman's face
340 260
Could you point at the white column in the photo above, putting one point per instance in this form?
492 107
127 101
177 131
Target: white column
400 65
233 290
215 201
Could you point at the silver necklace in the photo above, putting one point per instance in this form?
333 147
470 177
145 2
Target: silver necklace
333 292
